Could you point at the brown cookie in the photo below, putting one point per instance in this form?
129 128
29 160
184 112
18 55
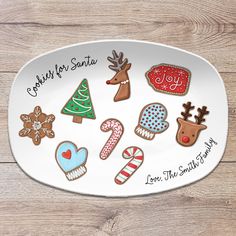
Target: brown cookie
121 77
188 131
37 125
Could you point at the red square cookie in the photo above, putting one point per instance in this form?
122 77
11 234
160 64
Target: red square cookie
169 79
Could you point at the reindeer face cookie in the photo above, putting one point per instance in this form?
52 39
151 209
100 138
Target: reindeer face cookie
121 77
189 131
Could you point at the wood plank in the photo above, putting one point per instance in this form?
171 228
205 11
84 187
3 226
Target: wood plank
100 12
7 79
216 44
207 207
29 28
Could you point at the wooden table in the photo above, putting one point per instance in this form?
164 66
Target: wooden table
29 28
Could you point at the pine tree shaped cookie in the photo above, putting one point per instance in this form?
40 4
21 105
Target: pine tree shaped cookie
80 104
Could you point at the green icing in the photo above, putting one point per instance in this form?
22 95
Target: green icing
80 103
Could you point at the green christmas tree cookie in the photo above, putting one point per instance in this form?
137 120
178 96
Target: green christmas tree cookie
80 104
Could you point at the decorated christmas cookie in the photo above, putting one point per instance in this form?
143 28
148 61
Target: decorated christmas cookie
136 155
71 160
152 121
118 147
37 125
80 104
169 79
121 77
117 129
189 131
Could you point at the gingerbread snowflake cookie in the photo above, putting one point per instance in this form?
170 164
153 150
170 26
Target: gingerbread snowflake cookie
37 125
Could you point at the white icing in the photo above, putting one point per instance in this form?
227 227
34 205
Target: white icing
125 82
77 112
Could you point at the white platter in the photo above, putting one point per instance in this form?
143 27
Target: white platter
59 82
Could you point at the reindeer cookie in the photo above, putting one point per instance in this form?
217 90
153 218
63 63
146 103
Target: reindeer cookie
189 131
121 77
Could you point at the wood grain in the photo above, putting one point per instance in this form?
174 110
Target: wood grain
123 12
216 44
207 207
29 28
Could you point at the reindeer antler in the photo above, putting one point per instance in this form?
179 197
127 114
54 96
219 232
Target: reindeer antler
201 113
117 61
187 106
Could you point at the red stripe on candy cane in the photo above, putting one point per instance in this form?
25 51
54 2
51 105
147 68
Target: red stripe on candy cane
132 166
134 151
127 153
125 173
118 181
139 157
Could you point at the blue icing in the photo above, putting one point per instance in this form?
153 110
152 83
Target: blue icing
77 157
153 118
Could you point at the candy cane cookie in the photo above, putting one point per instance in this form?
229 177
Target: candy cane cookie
117 132
137 156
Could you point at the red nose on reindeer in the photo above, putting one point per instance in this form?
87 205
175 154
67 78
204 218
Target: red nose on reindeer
108 82
185 139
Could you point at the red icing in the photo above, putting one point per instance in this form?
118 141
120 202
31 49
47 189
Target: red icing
169 79
125 173
132 165
67 154
185 139
118 181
